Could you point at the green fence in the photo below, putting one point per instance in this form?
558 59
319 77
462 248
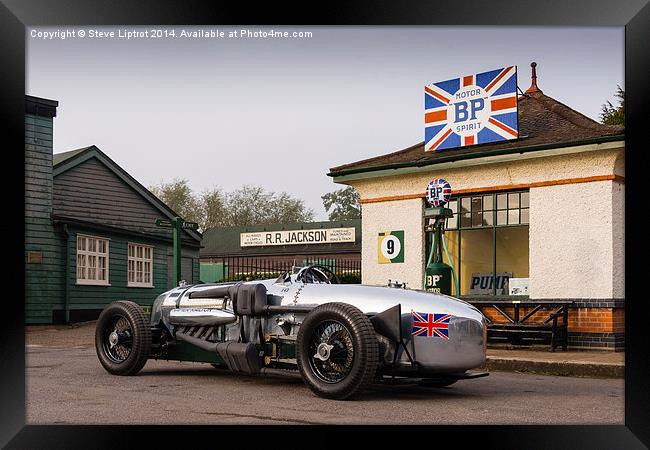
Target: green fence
252 268
213 272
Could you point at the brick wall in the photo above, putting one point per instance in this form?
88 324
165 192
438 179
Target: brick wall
589 327
597 341
597 320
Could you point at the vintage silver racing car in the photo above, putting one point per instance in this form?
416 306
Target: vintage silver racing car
338 338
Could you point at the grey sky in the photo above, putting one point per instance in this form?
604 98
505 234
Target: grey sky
280 112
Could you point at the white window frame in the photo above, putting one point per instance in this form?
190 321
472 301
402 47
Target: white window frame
87 254
137 259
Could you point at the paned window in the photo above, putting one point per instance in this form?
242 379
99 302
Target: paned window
487 241
92 260
140 265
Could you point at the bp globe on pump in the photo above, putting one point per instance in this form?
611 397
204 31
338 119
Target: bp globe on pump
437 274
438 192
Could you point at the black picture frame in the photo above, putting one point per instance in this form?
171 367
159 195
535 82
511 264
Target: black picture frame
15 15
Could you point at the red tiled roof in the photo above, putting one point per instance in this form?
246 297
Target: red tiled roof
542 121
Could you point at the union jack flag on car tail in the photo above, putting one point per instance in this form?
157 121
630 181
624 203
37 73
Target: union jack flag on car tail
469 110
430 325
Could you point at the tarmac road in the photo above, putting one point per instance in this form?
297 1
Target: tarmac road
67 385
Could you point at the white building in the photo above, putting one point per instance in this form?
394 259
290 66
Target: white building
547 207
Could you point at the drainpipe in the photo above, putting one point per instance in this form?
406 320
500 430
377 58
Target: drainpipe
66 265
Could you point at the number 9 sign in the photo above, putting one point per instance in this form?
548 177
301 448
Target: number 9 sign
390 247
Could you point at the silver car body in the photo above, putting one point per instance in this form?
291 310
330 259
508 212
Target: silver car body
463 350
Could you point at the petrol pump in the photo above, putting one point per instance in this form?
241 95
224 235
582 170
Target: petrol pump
437 275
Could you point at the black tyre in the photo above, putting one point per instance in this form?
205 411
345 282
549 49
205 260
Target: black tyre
337 351
123 338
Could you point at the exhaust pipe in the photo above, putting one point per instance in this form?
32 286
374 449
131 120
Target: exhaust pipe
238 356
200 343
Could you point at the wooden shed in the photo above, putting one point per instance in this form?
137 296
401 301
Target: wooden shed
90 235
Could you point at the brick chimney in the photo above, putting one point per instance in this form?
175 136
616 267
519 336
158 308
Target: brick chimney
533 89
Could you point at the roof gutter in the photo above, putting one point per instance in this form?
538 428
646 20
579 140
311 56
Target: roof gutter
345 175
120 231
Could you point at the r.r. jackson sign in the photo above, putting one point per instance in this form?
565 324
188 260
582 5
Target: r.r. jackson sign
297 237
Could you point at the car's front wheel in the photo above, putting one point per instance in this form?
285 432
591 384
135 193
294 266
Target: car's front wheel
337 351
123 338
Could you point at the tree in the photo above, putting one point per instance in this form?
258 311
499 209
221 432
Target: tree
213 203
252 205
344 203
248 205
614 115
178 195
289 210
245 206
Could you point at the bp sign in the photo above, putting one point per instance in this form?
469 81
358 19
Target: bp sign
473 109
390 247
438 192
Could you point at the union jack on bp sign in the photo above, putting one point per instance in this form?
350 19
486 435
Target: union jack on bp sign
474 109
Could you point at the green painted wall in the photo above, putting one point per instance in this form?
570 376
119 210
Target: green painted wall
43 281
212 272
49 278
46 284
96 297
190 267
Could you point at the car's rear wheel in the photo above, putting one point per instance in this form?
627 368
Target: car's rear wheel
123 338
337 351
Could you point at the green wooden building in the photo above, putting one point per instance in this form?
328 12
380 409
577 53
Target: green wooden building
90 233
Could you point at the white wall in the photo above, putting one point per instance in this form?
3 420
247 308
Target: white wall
389 216
577 255
618 240
573 237
484 176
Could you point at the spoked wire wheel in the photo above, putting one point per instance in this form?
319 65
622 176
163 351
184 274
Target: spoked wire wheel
331 351
123 338
117 339
337 351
